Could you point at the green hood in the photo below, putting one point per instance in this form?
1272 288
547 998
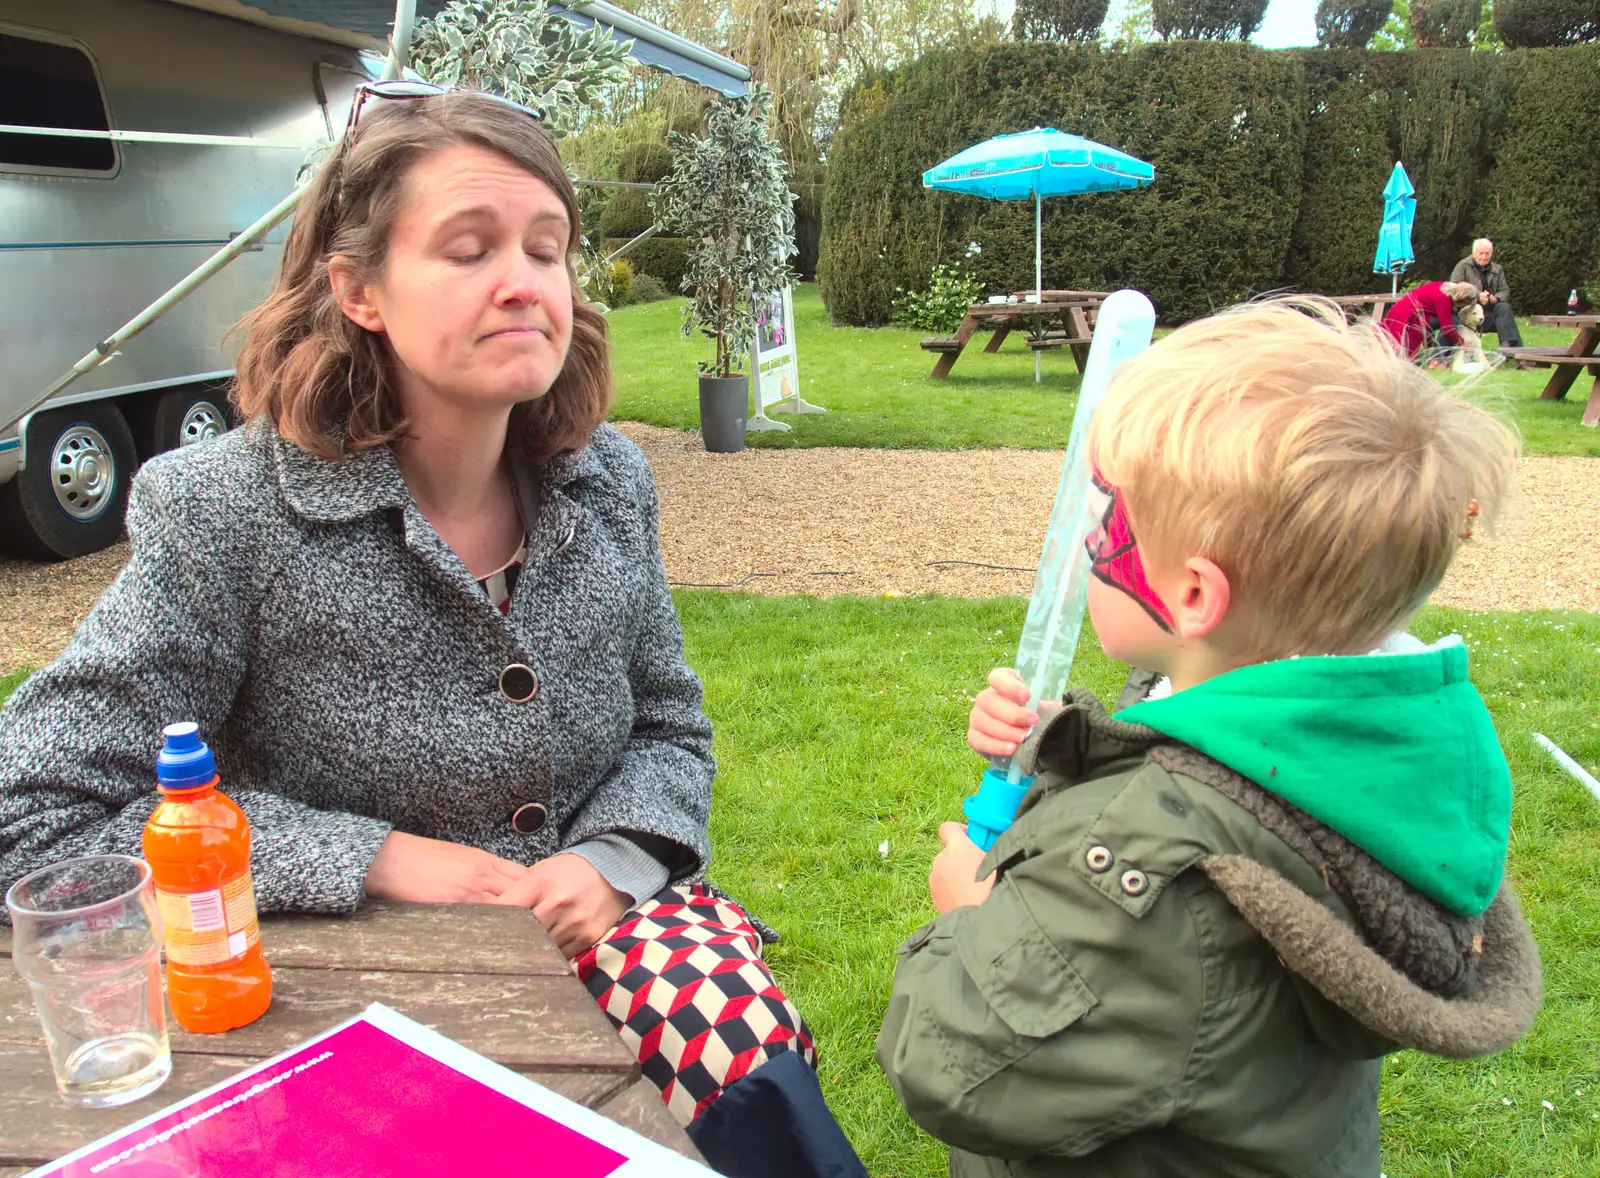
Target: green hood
1394 751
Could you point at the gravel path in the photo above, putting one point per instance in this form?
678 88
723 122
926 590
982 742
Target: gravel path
832 521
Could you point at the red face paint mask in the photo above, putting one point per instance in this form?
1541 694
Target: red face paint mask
1114 553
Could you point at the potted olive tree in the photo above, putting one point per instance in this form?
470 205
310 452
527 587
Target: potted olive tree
727 193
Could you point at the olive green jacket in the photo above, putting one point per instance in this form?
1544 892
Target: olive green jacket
1491 278
1179 973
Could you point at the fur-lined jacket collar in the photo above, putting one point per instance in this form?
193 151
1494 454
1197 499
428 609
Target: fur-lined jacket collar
1403 966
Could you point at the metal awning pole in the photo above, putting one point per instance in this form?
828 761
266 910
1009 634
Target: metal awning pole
628 245
157 137
103 350
404 20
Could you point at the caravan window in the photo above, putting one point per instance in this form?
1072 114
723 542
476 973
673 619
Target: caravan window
47 84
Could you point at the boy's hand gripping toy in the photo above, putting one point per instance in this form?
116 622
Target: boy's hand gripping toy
1060 590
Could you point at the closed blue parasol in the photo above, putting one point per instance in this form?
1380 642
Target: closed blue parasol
1394 236
1038 163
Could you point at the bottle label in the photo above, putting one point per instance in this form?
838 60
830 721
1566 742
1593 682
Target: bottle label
211 927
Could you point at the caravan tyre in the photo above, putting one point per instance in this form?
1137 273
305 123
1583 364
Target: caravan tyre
177 417
70 499
184 417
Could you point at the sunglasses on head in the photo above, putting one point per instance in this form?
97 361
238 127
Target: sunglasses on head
399 90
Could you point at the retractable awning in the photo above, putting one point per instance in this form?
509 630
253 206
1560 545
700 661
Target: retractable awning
365 24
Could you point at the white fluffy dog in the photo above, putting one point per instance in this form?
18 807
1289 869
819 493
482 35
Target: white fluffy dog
1470 356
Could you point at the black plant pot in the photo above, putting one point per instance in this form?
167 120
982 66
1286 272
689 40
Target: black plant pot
724 405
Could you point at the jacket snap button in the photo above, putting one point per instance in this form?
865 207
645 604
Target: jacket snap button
1135 882
1099 859
518 683
529 817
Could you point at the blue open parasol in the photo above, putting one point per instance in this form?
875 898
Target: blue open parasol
1394 235
1038 163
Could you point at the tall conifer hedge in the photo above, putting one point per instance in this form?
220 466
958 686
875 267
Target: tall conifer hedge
1220 122
1269 165
1353 101
1540 199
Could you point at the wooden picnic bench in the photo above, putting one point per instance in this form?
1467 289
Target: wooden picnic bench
488 977
1074 310
1582 354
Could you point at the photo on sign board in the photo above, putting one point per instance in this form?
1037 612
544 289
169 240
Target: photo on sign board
772 329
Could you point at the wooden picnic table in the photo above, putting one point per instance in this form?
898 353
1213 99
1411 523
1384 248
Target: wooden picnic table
486 976
1582 354
1061 318
1377 305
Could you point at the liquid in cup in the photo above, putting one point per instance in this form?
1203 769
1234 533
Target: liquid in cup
86 935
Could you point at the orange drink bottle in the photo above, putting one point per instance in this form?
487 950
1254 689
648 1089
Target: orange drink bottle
197 843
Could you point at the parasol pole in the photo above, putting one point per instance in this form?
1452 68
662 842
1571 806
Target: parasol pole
1038 268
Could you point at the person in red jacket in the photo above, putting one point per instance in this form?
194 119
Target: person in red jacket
1429 308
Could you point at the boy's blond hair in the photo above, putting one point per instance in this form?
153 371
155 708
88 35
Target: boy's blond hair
1331 480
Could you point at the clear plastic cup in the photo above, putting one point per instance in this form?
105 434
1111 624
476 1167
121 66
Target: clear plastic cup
86 934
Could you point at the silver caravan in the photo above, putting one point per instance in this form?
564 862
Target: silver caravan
93 229
150 177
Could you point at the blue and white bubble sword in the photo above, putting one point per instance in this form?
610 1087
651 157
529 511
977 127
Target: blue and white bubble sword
1061 588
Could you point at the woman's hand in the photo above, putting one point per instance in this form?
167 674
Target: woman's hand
431 871
571 899
952 883
1001 719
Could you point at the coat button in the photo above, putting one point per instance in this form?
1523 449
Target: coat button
518 683
529 817
1099 859
1135 882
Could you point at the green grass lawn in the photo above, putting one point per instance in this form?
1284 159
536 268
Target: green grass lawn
840 726
874 384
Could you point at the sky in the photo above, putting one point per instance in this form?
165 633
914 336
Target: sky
1287 23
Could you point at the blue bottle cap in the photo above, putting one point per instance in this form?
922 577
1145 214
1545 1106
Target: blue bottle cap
185 761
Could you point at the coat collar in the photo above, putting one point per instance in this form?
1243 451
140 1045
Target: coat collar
344 489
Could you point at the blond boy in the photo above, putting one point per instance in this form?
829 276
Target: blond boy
1217 910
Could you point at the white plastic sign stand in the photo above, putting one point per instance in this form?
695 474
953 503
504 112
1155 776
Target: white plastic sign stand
774 367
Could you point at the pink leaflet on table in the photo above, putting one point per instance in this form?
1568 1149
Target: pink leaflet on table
373 1107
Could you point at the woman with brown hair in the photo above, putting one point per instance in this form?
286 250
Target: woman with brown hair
417 607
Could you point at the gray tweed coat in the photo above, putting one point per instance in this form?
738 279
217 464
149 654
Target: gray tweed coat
347 671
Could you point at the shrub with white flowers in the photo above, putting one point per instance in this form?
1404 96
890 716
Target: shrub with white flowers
519 50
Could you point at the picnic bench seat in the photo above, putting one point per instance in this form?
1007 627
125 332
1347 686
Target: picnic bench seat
1568 368
1545 356
941 343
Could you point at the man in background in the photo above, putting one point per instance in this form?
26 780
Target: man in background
1494 293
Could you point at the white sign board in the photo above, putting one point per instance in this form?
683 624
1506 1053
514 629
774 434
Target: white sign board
774 367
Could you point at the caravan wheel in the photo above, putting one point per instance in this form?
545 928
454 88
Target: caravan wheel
70 499
185 417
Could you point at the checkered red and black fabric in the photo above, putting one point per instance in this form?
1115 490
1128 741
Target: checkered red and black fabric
682 979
